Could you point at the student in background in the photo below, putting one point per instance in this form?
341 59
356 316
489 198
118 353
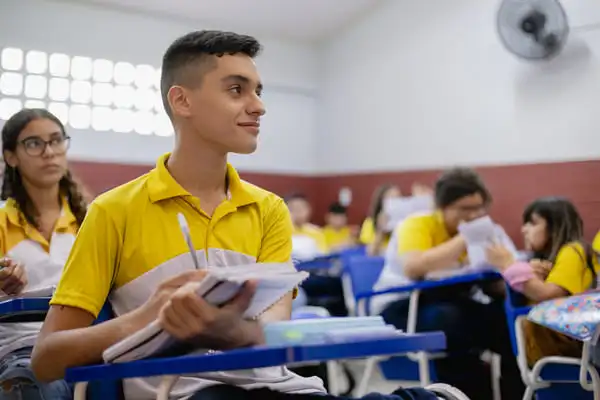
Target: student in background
43 211
308 240
374 233
562 264
430 242
338 234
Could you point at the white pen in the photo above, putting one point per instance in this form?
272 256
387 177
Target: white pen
185 229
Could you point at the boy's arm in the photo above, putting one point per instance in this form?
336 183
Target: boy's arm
277 247
67 339
419 255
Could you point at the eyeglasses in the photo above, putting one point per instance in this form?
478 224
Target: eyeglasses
36 146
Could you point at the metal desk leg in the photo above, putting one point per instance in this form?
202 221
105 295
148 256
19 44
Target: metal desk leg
166 384
333 377
80 391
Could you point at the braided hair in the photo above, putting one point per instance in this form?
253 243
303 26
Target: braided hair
12 182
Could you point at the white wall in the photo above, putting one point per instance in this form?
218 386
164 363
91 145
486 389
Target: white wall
423 84
289 71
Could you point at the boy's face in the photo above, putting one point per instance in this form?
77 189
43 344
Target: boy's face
336 220
300 211
464 209
225 107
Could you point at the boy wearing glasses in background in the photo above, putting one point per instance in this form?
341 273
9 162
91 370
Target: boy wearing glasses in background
427 243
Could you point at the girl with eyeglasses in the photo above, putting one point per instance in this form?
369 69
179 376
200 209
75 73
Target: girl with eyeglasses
43 210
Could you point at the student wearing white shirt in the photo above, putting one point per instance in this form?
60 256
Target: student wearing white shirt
43 210
430 243
308 242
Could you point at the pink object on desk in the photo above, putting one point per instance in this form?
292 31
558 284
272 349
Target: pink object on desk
517 274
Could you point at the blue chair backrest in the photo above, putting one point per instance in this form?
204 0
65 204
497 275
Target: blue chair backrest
364 272
106 313
357 251
514 305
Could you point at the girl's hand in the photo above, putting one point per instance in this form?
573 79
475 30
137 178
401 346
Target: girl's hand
541 268
12 277
499 256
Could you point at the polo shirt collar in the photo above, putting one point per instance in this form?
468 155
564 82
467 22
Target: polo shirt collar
162 185
16 217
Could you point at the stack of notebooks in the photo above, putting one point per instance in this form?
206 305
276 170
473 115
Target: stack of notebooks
274 281
328 331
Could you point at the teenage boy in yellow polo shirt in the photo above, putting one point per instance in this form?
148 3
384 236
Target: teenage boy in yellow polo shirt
130 245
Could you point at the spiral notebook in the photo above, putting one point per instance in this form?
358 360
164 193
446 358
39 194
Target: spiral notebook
218 287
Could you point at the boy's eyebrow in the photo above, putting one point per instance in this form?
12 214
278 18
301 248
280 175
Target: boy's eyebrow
241 79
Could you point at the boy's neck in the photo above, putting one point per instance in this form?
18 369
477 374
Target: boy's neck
198 168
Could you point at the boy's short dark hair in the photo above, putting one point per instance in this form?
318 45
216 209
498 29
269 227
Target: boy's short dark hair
456 183
193 49
337 208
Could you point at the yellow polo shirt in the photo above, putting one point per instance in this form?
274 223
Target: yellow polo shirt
15 230
368 232
314 234
336 237
131 241
43 261
422 232
596 242
570 270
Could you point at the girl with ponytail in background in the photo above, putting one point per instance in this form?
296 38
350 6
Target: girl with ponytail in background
43 210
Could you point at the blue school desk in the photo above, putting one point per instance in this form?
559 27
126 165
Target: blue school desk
257 357
25 309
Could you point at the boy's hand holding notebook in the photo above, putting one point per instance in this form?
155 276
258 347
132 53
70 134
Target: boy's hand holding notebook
219 288
244 290
188 317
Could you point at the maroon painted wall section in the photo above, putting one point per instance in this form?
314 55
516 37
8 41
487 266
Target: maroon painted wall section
512 187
